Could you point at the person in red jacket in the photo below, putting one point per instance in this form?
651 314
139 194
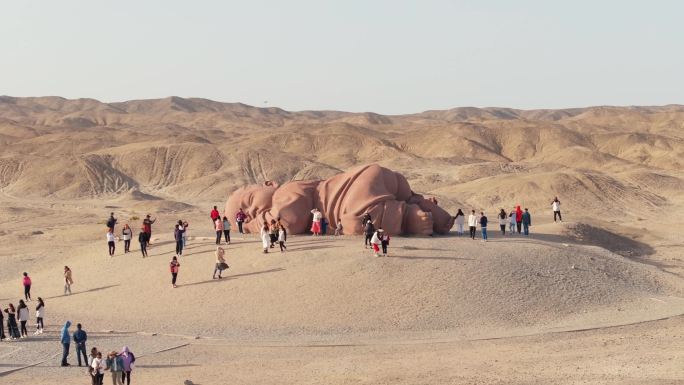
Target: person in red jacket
214 215
518 218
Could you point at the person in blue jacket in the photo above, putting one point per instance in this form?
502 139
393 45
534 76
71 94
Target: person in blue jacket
65 339
526 222
80 337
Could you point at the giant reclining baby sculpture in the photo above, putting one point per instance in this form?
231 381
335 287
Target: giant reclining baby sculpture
382 193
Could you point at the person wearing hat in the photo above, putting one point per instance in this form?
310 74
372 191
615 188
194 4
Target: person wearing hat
115 366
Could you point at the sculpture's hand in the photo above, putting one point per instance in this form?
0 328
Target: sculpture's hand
417 221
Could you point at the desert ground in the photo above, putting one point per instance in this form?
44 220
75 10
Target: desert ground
596 299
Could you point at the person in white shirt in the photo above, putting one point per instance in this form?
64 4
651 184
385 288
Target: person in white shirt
555 206
97 369
512 226
127 235
111 242
316 224
472 224
40 313
459 220
23 317
281 238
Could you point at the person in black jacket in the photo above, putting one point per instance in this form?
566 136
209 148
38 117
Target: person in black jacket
483 225
369 229
142 238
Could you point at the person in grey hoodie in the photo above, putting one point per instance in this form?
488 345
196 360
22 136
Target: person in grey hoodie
65 338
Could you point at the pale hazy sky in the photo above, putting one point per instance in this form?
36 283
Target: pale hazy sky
383 56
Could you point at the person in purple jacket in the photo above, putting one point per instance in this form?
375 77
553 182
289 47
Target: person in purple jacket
128 360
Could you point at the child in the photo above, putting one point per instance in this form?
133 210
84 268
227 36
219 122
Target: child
173 266
40 313
281 239
27 287
384 239
338 229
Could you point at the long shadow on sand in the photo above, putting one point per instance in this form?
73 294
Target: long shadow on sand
167 366
84 291
312 248
230 277
435 258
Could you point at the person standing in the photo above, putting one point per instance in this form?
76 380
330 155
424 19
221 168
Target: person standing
142 238
518 218
128 359
384 241
265 237
178 236
65 338
214 214
115 366
338 228
12 328
185 234
324 226
23 317
316 224
68 281
147 228
40 314
240 217
226 230
459 220
111 242
511 216
174 265
26 281
111 222
97 366
127 235
218 226
2 327
526 222
472 224
555 206
503 221
92 371
483 226
80 337
369 230
281 238
365 219
220 262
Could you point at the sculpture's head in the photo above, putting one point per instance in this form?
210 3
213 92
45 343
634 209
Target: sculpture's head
254 200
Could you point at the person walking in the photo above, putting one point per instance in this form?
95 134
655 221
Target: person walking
218 226
376 242
503 221
518 218
114 364
265 237
12 328
26 281
483 225
65 338
472 224
220 262
214 214
178 236
316 224
97 367
142 238
281 238
127 235
80 337
111 222
512 222
384 241
226 230
369 230
240 217
68 281
23 317
555 206
147 228
174 265
40 314
459 220
273 233
128 359
526 222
